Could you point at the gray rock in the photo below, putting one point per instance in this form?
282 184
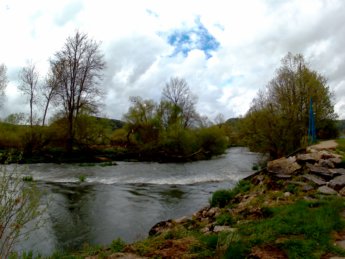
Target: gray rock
326 163
320 171
336 160
307 188
326 190
337 171
341 244
318 181
338 182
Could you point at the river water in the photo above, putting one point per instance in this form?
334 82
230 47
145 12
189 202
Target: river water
125 200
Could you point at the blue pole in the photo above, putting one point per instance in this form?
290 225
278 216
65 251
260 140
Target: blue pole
311 128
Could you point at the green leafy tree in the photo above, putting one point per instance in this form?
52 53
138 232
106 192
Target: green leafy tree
277 121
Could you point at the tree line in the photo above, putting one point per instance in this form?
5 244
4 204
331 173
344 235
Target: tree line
72 89
276 123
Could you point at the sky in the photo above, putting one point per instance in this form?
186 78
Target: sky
225 50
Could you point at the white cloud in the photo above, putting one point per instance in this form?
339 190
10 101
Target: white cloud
253 36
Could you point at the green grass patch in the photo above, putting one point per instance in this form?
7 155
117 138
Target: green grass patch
225 219
221 198
303 228
82 178
117 245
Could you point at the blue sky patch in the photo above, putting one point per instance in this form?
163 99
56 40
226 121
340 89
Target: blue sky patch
197 37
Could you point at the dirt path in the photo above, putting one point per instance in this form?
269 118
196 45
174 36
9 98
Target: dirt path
328 144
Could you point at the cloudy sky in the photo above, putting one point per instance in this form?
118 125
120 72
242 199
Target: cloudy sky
226 50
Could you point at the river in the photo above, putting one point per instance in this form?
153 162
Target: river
125 200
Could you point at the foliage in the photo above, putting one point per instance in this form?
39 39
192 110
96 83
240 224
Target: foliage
117 245
221 198
277 121
19 205
225 219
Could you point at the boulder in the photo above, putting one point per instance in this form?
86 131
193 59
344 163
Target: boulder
283 165
336 160
318 181
160 227
338 182
309 157
337 171
326 190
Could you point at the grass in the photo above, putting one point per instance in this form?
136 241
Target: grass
302 229
221 198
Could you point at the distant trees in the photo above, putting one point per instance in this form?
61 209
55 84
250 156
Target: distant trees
170 129
277 121
76 71
3 81
178 98
29 86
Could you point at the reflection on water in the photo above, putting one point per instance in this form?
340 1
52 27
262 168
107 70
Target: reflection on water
125 200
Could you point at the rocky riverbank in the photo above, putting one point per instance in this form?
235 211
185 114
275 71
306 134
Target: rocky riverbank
294 208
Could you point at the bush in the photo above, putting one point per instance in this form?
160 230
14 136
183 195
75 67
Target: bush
117 245
221 198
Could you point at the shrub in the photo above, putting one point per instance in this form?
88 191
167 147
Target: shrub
117 245
221 198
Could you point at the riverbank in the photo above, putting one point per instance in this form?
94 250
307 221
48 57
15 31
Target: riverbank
292 209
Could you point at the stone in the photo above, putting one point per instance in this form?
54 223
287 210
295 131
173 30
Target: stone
318 181
309 157
326 163
338 182
283 166
326 190
283 176
212 212
341 244
337 171
181 220
160 227
335 160
307 188
342 191
287 194
320 171
218 229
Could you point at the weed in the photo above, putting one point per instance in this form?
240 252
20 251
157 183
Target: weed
82 178
225 219
28 178
117 245
221 198
255 167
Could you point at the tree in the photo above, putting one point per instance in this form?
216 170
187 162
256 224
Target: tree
77 71
182 102
277 121
3 81
49 92
29 80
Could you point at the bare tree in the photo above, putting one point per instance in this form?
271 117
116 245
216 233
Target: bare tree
177 93
49 92
3 81
77 69
29 80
